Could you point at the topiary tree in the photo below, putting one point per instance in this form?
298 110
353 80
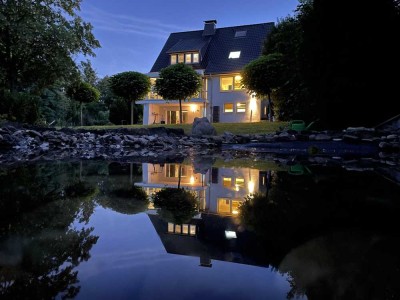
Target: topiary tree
83 92
262 76
178 82
130 86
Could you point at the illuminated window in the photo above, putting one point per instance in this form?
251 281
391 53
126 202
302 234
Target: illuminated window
171 227
188 58
229 83
226 181
241 107
224 206
228 107
235 207
173 59
192 229
239 182
172 170
181 58
178 228
185 229
195 58
234 54
240 33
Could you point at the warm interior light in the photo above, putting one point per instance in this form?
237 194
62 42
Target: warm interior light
193 108
235 212
192 179
250 187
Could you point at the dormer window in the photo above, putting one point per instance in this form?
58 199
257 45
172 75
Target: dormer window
234 54
187 58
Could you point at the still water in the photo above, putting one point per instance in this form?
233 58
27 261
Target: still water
235 230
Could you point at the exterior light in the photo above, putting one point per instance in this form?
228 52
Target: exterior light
192 179
250 187
193 108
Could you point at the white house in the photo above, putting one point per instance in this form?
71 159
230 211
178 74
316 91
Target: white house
218 55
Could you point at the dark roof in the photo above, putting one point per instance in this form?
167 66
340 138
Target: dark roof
214 50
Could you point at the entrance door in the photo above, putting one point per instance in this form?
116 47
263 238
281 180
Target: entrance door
173 116
215 114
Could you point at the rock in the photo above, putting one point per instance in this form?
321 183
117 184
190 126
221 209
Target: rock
322 137
201 126
350 138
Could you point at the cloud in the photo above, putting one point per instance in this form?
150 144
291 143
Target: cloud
119 23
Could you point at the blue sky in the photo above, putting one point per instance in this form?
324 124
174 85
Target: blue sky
132 33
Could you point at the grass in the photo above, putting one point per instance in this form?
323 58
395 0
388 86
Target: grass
235 128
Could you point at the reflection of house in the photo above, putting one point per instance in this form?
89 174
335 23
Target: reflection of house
213 234
218 55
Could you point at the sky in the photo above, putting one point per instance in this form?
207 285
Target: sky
133 32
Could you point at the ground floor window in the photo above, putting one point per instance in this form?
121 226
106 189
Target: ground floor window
228 107
228 206
173 116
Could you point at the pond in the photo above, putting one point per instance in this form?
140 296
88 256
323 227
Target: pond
235 229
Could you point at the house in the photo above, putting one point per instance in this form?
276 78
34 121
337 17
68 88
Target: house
218 55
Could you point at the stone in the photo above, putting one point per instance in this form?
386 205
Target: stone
202 126
322 137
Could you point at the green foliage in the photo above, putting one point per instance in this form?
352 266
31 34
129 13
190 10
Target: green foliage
263 75
20 107
119 112
178 82
176 205
130 86
38 40
88 74
83 92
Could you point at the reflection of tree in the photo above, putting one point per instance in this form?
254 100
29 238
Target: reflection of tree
131 200
39 249
176 205
299 209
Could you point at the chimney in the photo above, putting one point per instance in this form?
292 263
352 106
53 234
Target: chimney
209 27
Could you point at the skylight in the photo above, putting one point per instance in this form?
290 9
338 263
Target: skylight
240 33
234 54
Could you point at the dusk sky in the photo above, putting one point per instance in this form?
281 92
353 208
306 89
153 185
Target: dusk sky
132 33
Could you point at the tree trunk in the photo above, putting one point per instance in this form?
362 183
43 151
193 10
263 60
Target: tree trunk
131 112
269 108
81 115
179 176
180 111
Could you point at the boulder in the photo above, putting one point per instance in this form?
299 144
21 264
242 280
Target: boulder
201 126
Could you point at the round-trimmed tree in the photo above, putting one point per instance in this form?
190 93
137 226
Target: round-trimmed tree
130 86
83 92
178 82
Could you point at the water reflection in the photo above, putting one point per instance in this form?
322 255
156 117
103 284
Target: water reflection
331 233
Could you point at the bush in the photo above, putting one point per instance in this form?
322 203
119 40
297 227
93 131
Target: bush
20 107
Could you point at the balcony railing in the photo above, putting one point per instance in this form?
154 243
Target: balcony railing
152 95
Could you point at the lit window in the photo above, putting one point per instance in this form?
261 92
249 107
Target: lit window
239 182
227 181
224 206
178 228
238 82
192 229
240 33
188 58
185 229
195 58
228 107
241 107
181 58
235 207
234 54
229 83
173 59
171 227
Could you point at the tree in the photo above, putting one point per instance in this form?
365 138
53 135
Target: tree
88 74
262 76
130 86
83 92
178 82
38 40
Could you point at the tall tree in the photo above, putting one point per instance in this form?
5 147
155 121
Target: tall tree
38 40
178 82
83 92
130 86
88 74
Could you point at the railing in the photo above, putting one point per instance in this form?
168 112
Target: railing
152 95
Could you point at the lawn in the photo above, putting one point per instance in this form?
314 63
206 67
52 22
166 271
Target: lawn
235 128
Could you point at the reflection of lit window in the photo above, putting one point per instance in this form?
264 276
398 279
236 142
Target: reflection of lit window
227 181
185 229
235 207
228 107
224 206
241 107
178 228
171 227
192 229
172 170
